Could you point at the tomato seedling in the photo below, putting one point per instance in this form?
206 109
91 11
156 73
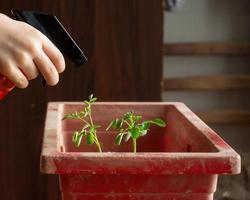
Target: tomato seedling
130 128
89 129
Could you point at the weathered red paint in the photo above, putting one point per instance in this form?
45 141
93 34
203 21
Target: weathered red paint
181 161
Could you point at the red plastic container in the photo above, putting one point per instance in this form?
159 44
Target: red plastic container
181 161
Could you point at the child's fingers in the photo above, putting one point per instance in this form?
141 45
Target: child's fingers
29 70
47 68
54 54
28 51
27 66
15 75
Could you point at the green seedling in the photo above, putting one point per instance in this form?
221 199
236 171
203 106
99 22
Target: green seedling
89 129
130 128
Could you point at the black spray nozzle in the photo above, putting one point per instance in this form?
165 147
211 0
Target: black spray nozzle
50 26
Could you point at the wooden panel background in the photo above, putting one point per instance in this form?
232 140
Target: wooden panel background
207 48
208 82
123 42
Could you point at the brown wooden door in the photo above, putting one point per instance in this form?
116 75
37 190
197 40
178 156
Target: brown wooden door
123 42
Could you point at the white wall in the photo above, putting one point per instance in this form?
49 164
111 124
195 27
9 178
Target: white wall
212 20
209 20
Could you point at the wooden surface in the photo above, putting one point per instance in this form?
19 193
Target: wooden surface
208 82
125 59
133 60
207 48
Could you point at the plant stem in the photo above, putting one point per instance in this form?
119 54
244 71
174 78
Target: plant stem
134 145
90 117
99 147
83 120
98 143
127 123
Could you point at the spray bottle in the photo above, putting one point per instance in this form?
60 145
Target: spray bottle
50 26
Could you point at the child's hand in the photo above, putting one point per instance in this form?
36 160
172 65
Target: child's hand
24 51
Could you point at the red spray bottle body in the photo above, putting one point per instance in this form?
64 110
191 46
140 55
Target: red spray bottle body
5 86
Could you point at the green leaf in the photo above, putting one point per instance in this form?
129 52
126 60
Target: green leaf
109 126
128 136
144 132
92 130
91 96
128 115
119 123
71 116
135 132
66 117
145 125
90 138
159 122
81 114
118 138
86 111
75 136
122 130
137 117
115 124
79 140
83 132
97 126
93 100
